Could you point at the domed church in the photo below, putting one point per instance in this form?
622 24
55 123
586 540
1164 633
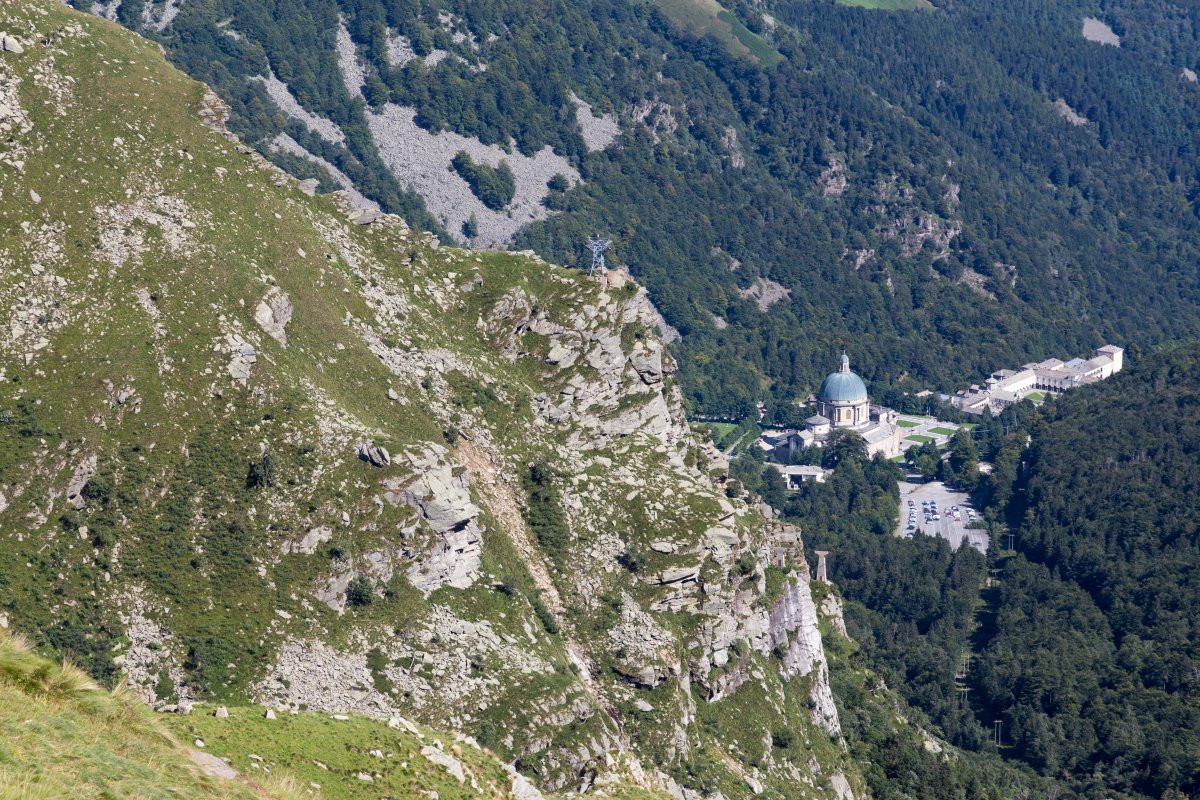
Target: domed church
842 402
842 399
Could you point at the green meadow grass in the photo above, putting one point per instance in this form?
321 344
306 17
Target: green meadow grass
889 5
702 17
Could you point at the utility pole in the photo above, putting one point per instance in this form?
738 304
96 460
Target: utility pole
964 668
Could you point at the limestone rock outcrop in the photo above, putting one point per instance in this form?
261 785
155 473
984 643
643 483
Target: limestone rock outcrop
645 651
624 391
308 545
273 313
441 493
794 618
84 471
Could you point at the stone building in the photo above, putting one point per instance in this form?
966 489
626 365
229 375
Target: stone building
1007 387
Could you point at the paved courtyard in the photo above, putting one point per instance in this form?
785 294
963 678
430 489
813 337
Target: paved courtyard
953 532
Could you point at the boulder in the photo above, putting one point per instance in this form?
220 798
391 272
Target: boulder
273 313
364 216
647 361
84 471
561 355
679 575
644 648
308 545
212 766
446 761
521 789
375 456
10 44
841 786
442 495
221 713
721 539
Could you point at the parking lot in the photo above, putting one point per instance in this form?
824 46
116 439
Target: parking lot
947 528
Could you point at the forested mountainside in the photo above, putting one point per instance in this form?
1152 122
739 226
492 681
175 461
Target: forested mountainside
1095 661
948 191
1082 640
261 448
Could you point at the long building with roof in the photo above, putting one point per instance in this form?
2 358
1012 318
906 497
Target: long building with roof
1007 387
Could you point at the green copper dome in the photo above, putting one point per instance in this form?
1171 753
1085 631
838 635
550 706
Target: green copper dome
843 386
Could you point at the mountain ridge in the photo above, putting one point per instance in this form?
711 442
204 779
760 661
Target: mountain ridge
904 214
252 433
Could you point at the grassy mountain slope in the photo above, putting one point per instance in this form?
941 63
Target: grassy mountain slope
63 735
254 451
66 736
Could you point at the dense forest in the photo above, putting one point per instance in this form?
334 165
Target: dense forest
907 177
1084 646
1095 664
910 610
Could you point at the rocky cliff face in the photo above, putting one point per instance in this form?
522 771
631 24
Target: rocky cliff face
265 446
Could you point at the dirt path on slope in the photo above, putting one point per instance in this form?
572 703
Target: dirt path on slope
502 500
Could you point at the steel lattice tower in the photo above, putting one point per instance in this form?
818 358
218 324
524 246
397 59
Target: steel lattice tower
598 247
